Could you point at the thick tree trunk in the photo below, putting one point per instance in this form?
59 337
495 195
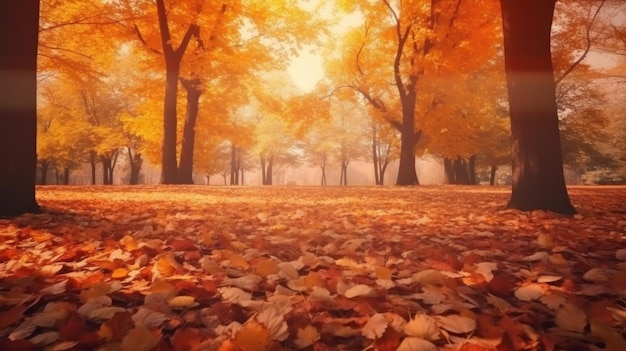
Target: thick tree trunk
538 181
185 168
173 58
169 170
406 168
19 29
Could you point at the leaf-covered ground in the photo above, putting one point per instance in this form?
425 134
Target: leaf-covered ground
309 268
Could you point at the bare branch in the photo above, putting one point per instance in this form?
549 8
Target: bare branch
584 54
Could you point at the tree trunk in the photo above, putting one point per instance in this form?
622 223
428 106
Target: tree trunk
461 175
323 167
471 169
173 58
185 168
106 164
19 30
136 162
242 180
448 171
492 175
270 170
408 139
66 176
538 181
343 177
92 162
375 151
45 164
169 170
263 172
234 164
112 168
383 170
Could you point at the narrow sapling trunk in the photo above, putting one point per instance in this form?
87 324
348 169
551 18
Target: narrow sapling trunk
538 181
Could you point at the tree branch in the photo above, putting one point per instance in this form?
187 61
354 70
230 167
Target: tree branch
584 54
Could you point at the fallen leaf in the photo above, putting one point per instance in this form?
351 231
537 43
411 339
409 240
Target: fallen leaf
375 326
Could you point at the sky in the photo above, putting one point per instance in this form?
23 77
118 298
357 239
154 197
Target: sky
306 68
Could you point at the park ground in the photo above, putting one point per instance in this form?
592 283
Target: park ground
312 268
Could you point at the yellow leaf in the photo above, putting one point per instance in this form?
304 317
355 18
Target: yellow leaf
313 279
182 302
307 336
129 243
106 264
266 267
237 261
139 339
375 326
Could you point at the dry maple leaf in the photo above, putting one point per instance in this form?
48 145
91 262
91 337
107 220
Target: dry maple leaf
375 326
306 336
422 326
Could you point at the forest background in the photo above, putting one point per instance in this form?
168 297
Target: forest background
302 92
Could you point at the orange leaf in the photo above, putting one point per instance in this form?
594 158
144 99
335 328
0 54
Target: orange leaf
389 341
12 315
254 336
186 339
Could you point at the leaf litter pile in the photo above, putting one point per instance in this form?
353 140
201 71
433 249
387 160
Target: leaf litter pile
309 268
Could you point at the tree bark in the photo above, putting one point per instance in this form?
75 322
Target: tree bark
136 162
92 162
185 167
45 164
173 58
270 170
538 181
448 171
106 164
263 173
460 171
492 175
19 35
234 169
406 168
471 169
66 176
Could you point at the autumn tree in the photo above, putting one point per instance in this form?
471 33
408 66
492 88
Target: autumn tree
538 181
423 37
19 23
